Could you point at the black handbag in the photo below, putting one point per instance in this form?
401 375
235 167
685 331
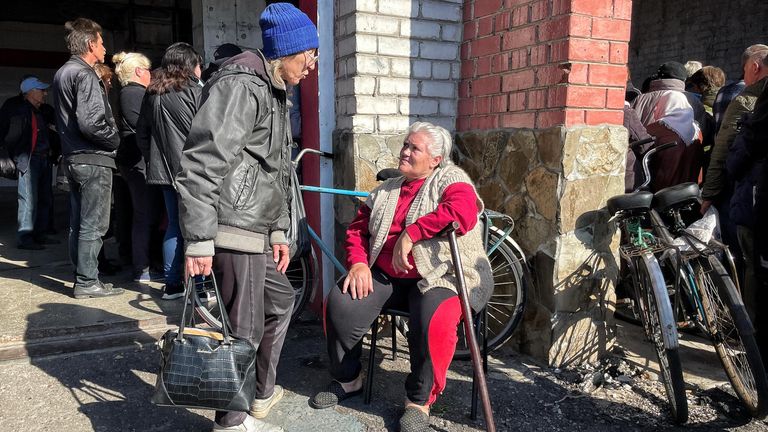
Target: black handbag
205 369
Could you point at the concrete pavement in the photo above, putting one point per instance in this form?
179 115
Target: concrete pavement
90 365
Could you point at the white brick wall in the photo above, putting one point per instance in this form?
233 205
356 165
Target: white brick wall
402 8
397 61
441 11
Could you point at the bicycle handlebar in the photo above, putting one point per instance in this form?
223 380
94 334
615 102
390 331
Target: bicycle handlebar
646 158
313 151
638 143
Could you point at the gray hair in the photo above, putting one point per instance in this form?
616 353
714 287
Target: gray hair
80 33
440 143
276 69
692 66
757 52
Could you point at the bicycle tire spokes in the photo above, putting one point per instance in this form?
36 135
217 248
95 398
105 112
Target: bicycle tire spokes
664 340
724 332
505 307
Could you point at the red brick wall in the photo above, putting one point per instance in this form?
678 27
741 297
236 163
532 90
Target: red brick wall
540 63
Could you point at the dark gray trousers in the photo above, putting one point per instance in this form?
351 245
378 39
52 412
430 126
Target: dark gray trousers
90 195
750 286
259 301
144 208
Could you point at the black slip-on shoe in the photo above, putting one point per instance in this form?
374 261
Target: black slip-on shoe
331 396
414 420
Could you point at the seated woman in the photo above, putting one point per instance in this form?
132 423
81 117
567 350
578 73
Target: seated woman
397 260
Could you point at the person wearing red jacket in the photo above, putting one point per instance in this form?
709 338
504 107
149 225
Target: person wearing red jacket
396 259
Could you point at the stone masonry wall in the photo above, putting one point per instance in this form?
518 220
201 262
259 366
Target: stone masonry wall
555 182
714 32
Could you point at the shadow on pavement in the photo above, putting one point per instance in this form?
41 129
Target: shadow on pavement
112 396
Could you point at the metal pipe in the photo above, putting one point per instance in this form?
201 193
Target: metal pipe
469 332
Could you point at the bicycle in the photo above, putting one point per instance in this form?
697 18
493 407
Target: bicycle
638 250
511 277
707 298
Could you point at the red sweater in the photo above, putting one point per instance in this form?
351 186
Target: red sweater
458 203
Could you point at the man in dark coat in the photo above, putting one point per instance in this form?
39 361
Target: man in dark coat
28 138
89 138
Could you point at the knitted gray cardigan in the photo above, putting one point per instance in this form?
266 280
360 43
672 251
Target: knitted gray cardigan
433 256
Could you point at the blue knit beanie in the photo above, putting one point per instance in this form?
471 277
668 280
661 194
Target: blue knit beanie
286 30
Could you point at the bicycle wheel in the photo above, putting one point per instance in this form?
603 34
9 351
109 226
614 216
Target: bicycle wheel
300 274
506 305
732 333
661 330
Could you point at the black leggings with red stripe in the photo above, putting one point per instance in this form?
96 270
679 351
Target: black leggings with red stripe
432 335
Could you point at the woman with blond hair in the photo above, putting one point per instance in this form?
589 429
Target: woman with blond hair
133 72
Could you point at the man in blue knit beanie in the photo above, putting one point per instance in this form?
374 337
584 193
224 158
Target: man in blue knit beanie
234 189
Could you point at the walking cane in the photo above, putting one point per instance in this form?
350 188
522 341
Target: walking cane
469 332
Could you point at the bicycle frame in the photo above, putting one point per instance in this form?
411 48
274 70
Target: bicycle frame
684 274
488 216
645 246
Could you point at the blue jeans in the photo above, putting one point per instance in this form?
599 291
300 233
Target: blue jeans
173 243
90 197
35 195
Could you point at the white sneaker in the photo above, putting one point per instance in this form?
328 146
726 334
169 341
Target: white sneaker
249 425
260 407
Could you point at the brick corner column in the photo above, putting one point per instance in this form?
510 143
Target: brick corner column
539 129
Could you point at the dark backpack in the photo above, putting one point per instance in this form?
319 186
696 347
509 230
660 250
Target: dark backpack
298 233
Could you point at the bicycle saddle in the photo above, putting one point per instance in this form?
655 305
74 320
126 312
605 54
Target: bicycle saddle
675 197
632 202
387 173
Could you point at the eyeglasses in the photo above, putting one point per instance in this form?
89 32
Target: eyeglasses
310 58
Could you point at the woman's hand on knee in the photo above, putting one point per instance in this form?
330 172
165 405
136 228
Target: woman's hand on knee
359 281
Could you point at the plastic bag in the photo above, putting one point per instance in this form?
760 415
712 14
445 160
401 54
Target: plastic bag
704 229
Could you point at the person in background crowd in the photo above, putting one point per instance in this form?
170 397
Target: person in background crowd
706 82
171 102
633 176
744 170
691 67
396 259
750 147
133 71
724 97
222 54
11 106
667 113
29 143
106 266
234 194
89 140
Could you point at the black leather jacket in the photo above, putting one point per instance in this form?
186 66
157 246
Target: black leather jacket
234 175
162 129
83 116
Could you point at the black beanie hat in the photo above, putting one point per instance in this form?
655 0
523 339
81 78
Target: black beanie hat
672 70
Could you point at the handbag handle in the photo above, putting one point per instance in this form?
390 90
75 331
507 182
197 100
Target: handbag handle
225 325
